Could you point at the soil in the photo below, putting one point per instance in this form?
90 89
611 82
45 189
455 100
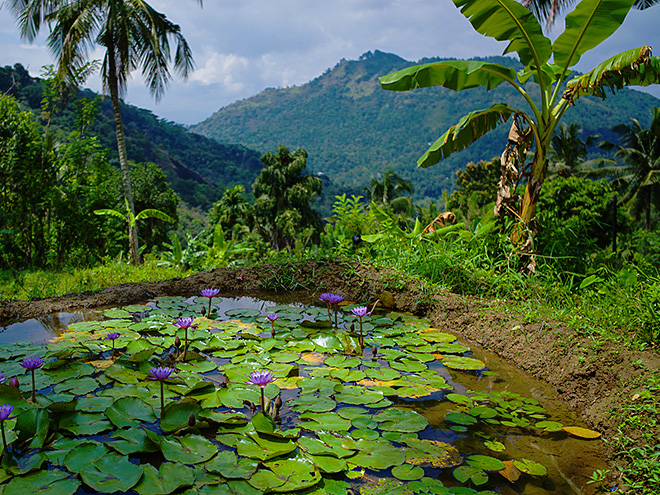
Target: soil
591 376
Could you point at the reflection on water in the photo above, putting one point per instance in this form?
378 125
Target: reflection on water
44 328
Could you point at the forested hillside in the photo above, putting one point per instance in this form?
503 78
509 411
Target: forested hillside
198 168
352 129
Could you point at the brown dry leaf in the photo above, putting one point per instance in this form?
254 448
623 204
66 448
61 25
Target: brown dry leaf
106 363
313 357
510 472
581 432
437 454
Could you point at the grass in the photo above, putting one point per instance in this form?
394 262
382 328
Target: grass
37 284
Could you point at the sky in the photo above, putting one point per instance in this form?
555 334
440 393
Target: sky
243 47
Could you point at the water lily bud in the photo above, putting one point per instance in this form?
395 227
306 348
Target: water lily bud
13 382
191 419
374 351
352 328
203 311
278 402
177 342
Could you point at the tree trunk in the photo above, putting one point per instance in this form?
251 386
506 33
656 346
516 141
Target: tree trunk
133 252
533 189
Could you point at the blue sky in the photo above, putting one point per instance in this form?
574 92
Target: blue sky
242 47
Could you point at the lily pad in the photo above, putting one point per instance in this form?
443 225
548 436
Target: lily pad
408 472
53 482
168 478
110 474
229 466
531 467
462 363
124 411
581 432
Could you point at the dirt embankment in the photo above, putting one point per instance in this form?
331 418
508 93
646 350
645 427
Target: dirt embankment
589 375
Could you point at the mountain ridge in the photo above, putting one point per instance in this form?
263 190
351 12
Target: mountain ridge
353 130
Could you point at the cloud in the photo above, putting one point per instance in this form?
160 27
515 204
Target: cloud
226 69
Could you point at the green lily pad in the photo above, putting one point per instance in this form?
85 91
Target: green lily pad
485 462
325 445
132 441
462 363
228 465
191 449
298 473
84 423
531 467
376 454
407 472
110 474
176 414
83 455
165 480
465 473
124 411
263 447
324 421
53 482
460 418
329 464
495 446
312 403
401 420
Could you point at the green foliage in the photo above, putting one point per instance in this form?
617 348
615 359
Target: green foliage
575 221
476 187
232 213
345 228
283 197
589 24
27 177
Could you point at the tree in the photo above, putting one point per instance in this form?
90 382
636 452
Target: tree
27 177
567 150
133 35
391 193
282 208
587 26
639 176
232 211
476 187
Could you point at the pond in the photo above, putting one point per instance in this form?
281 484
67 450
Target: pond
412 411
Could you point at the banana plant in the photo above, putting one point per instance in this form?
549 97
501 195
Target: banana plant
131 219
546 63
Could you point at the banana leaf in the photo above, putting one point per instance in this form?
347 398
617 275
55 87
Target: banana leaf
153 213
508 20
592 22
452 74
634 67
469 129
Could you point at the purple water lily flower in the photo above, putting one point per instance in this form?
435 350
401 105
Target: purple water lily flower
161 374
271 317
113 336
261 379
332 300
186 322
360 312
5 414
210 293
30 364
13 382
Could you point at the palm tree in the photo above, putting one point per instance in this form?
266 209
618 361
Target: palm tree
391 192
567 150
134 36
639 176
548 10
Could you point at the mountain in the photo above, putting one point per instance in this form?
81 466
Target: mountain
197 167
353 130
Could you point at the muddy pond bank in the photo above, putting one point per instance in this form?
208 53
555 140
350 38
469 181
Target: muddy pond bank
590 376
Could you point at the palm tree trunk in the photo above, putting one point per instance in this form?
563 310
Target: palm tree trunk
133 252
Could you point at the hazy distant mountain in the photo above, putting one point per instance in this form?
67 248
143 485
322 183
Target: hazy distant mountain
353 130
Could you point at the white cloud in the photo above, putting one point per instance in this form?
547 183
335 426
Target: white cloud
225 69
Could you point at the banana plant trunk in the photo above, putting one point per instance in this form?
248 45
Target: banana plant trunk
533 190
133 252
